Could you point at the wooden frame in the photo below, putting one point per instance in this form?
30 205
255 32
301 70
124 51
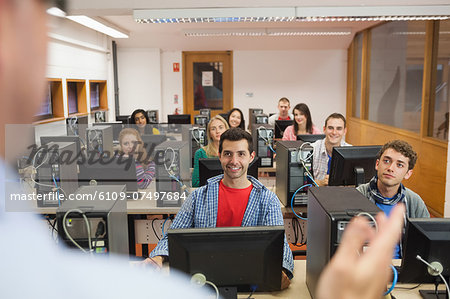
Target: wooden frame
81 96
57 102
207 56
365 74
103 103
351 79
429 78
429 179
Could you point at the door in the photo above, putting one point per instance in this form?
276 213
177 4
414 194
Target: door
207 82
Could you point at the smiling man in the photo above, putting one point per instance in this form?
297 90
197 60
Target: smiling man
395 163
334 130
283 111
231 199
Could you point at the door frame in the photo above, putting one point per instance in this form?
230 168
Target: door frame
227 105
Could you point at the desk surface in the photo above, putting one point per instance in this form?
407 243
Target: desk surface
298 288
147 204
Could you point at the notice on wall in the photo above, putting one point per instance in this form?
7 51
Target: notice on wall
207 78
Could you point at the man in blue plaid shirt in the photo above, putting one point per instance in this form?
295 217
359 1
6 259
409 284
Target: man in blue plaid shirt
231 199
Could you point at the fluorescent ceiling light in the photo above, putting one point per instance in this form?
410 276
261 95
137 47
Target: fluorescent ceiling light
416 32
225 32
267 32
289 14
309 32
204 15
369 19
57 12
99 26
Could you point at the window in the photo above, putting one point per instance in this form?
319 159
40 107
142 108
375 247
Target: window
396 74
72 97
442 92
52 106
76 96
46 111
95 95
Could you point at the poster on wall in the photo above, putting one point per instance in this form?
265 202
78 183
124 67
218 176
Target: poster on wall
207 78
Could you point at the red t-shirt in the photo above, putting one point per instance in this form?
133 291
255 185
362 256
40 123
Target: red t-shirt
284 118
232 205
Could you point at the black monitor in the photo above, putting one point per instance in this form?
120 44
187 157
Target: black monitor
352 165
430 239
125 119
179 119
238 257
280 126
311 138
209 167
116 171
176 120
116 128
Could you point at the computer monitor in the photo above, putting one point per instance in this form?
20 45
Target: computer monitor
311 138
352 165
280 126
230 256
430 239
176 120
125 119
210 167
116 171
179 119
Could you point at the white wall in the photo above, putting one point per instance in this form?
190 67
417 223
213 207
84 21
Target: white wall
317 78
76 52
139 75
172 84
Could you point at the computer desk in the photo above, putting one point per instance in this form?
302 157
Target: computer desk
298 288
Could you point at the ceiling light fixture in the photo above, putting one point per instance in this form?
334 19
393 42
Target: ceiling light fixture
100 25
217 15
289 14
57 12
266 32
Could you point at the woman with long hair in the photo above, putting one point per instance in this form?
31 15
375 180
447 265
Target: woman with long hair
235 119
216 126
131 145
140 119
302 123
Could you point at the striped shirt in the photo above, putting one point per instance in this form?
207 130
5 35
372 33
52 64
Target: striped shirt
320 158
200 210
145 174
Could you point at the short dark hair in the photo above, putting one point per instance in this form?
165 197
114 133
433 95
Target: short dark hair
403 148
133 115
283 99
336 115
236 134
242 124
